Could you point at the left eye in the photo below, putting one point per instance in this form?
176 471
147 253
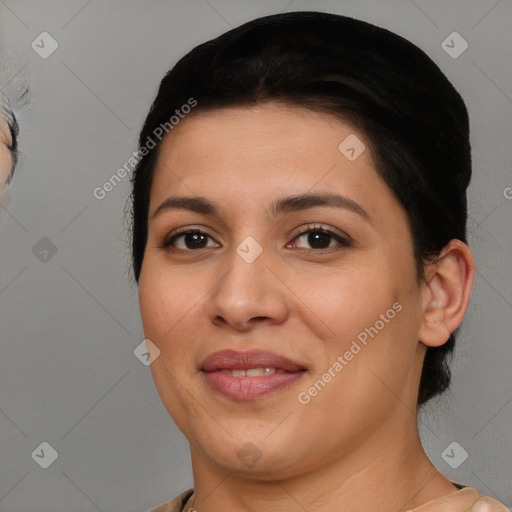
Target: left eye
319 238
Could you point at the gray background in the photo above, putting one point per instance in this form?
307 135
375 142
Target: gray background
69 325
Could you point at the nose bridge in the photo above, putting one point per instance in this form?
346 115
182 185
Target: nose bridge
247 289
245 281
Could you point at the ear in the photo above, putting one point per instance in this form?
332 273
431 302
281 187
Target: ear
446 291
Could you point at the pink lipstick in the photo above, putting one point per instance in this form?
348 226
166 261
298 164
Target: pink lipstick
249 375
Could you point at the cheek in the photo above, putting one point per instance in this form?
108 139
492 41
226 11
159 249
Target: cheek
365 370
367 313
172 305
342 301
162 300
168 302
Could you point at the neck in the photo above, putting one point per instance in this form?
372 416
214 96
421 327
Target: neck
390 472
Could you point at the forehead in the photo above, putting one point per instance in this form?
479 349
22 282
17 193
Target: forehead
246 159
257 121
255 143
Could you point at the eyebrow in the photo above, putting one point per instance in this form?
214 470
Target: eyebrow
280 207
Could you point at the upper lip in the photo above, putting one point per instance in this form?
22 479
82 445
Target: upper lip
236 360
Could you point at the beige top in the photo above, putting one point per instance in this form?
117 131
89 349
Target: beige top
465 500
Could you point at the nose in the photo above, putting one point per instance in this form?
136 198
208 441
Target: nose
248 294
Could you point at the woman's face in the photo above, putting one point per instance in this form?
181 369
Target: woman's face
345 308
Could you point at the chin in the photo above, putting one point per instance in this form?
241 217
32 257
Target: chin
252 453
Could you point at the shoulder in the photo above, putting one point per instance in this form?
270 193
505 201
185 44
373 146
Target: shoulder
176 504
465 500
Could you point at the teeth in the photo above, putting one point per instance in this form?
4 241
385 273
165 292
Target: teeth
257 372
251 372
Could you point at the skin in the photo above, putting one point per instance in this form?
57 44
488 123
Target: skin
5 154
360 432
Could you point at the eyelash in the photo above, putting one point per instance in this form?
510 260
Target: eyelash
344 242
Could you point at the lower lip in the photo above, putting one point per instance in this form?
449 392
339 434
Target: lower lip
250 388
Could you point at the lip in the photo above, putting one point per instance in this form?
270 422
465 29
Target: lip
235 360
249 388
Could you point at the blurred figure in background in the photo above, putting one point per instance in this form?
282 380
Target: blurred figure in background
12 97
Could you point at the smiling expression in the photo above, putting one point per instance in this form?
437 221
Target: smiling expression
333 253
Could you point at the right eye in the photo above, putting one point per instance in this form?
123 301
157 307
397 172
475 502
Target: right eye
192 239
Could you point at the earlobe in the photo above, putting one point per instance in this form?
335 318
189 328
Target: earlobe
446 291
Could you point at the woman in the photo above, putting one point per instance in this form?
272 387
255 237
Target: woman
299 242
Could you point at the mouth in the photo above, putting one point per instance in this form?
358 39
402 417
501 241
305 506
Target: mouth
251 374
